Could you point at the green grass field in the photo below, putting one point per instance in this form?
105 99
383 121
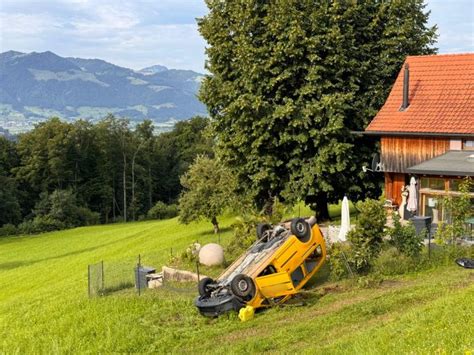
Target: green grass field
44 306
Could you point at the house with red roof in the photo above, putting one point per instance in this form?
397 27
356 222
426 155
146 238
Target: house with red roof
426 129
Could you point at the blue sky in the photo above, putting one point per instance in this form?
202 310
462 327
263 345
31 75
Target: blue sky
140 33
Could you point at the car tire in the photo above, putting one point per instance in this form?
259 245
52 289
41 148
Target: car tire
243 287
203 286
301 229
261 229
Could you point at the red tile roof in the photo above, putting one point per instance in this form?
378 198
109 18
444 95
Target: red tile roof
441 97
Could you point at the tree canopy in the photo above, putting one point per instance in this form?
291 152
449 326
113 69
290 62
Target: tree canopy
109 167
208 189
290 79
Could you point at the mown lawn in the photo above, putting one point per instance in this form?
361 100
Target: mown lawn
44 305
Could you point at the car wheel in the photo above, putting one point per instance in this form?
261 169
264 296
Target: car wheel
243 286
300 228
262 228
203 286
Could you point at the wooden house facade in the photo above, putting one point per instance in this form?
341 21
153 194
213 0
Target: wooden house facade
426 129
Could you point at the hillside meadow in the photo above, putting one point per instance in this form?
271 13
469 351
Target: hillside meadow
44 305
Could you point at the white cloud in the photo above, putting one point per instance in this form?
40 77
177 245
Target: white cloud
134 34
24 24
141 33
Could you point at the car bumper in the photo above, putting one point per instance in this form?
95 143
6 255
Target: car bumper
214 306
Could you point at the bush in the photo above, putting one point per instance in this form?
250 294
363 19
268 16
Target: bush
245 227
404 238
26 227
48 224
339 256
457 209
394 262
41 224
8 229
244 234
367 237
162 211
191 253
59 210
85 217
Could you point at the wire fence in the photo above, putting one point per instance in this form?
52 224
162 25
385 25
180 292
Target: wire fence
141 273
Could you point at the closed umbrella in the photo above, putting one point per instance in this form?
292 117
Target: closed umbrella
412 204
345 220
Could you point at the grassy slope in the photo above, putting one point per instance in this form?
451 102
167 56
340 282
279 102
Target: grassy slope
44 305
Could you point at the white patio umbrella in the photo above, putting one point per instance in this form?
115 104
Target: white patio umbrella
345 220
412 200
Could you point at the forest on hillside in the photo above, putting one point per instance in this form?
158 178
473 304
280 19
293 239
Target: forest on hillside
82 173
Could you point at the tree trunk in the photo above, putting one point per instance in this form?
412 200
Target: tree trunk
133 188
322 211
113 203
268 207
124 188
133 181
215 224
149 188
319 203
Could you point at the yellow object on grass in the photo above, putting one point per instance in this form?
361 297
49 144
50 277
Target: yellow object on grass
246 313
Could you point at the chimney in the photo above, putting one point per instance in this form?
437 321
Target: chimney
406 83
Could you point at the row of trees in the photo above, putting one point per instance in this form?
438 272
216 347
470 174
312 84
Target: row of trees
289 82
110 168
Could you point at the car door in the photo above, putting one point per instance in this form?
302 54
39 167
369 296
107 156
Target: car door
275 285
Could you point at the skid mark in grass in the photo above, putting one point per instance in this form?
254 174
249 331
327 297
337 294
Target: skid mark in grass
351 313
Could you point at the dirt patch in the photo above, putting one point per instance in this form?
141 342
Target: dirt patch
392 283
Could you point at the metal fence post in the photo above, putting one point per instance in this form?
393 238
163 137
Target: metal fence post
197 271
138 275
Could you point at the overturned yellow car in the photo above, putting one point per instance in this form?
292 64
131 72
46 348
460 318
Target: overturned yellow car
273 269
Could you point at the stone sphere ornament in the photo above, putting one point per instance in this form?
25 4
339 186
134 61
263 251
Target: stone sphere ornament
211 254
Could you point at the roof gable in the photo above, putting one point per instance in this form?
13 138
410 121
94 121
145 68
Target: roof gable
441 97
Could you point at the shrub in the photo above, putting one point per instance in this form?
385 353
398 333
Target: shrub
162 211
367 237
339 256
393 262
85 217
41 224
47 224
26 227
191 253
8 229
245 227
244 233
404 238
458 208
59 210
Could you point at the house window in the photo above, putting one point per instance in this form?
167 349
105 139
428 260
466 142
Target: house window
433 207
454 185
433 192
468 145
432 183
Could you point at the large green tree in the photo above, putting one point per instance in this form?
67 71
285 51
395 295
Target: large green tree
176 151
10 211
290 79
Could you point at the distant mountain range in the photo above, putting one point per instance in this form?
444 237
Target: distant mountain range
35 86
